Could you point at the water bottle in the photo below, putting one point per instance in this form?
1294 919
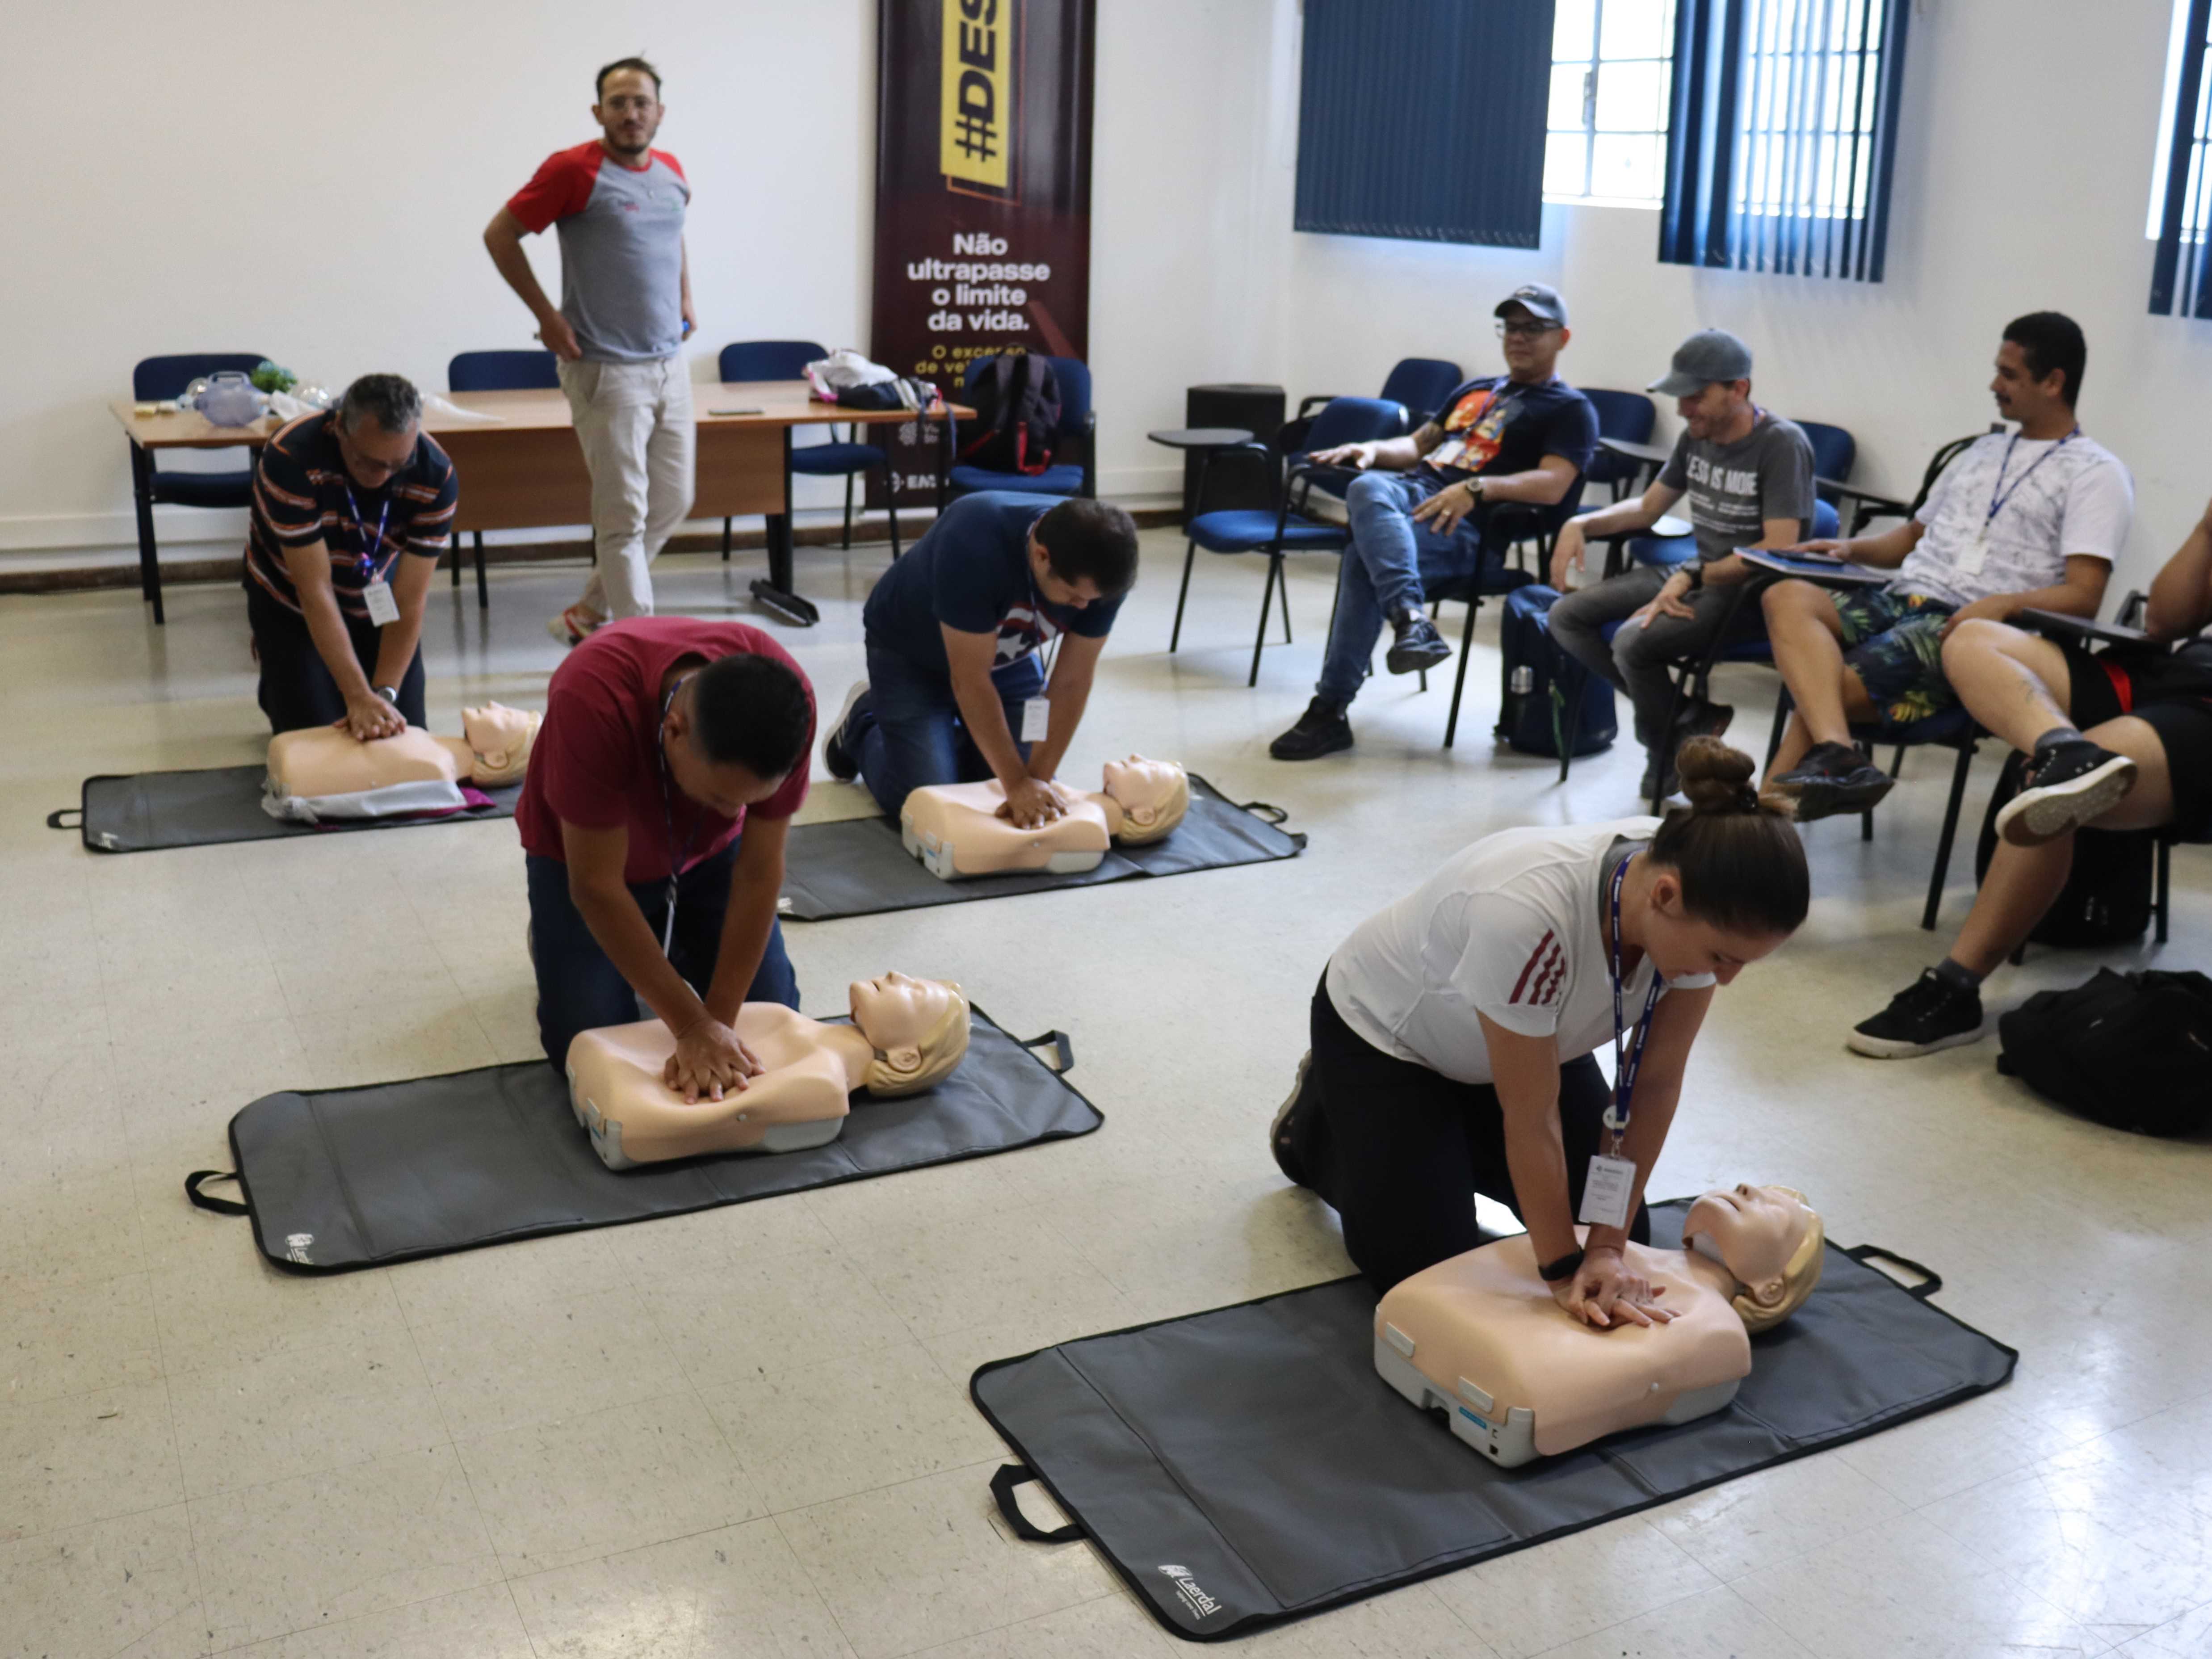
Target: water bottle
1523 681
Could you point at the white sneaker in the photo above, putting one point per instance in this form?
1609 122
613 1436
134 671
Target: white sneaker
574 625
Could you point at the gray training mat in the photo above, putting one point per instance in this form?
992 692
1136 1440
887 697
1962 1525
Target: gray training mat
345 1178
1245 1467
146 811
858 867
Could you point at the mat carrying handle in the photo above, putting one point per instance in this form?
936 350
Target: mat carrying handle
1010 1475
1063 1051
1264 809
220 1206
54 818
1931 1281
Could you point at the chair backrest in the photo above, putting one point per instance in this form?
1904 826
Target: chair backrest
1358 420
166 377
503 371
1071 375
1834 450
1421 384
1627 415
1827 522
770 359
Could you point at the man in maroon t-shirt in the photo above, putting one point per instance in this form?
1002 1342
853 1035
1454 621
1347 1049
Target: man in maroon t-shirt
660 792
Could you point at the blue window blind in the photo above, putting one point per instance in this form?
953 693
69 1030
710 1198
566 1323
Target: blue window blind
2181 274
1425 119
1783 135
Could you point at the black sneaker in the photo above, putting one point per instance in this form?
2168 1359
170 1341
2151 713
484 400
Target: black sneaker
836 750
1290 1122
1927 1015
1835 777
1656 786
1321 730
2069 785
1700 719
1416 645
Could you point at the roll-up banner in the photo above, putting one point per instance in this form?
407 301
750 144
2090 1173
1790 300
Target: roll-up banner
983 195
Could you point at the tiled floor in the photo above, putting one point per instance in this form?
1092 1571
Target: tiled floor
745 1432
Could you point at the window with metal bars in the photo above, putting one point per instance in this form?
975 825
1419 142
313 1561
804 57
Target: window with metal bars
1608 137
1782 135
2181 191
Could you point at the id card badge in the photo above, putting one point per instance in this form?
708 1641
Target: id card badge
1606 1194
383 609
1036 720
1977 554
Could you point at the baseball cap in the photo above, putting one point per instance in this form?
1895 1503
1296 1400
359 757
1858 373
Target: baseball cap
1709 355
1540 299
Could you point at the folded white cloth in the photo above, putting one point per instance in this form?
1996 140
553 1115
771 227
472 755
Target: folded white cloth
393 800
845 367
446 409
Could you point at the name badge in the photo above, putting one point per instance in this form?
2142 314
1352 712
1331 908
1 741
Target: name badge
383 609
1977 554
1036 720
1605 1196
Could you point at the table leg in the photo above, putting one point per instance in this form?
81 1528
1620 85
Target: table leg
944 462
776 594
149 556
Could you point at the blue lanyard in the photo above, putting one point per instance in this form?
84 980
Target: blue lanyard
676 855
1625 1064
1999 495
369 548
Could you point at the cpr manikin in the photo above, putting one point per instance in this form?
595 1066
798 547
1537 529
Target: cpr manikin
326 772
1520 1377
955 829
906 1035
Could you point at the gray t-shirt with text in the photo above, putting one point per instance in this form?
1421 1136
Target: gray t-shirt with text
1732 490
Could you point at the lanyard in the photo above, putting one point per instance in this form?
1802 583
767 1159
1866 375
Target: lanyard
369 548
1048 647
675 856
1999 495
1627 1063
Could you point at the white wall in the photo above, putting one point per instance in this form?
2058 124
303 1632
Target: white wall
2022 175
310 179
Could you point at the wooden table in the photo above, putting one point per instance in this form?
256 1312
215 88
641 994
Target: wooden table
524 469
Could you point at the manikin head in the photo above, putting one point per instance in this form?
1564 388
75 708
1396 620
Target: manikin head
628 108
1769 1238
1153 796
1728 883
2038 370
377 426
500 738
918 1028
1710 381
734 730
1532 329
1083 551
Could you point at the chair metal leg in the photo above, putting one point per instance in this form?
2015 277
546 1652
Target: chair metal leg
726 541
1572 729
846 544
891 509
1283 585
2162 892
1267 599
483 589
1783 704
1943 842
1459 681
1189 554
457 569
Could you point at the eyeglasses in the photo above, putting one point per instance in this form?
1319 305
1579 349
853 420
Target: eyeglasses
1526 330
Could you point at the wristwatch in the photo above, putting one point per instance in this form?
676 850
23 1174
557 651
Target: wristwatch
1696 572
1565 1268
389 693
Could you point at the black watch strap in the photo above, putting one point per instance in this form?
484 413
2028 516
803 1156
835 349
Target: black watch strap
1565 1268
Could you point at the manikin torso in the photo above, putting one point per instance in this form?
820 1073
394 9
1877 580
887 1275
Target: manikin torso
955 829
328 760
800 1099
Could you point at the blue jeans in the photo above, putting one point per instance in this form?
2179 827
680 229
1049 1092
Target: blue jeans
579 989
1385 570
908 732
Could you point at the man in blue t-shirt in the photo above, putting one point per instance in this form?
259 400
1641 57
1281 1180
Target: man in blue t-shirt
956 691
1419 509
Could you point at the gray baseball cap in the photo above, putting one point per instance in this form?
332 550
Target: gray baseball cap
1709 355
1540 299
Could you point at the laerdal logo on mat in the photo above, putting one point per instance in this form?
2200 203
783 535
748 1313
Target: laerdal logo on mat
1200 1604
295 1248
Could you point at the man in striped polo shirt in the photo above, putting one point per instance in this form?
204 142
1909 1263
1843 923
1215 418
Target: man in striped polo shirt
351 509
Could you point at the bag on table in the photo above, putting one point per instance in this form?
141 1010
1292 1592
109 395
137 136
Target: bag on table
2132 1051
1016 402
1542 681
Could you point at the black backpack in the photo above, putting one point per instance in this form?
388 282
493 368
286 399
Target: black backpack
2132 1051
2107 897
1542 683
1016 404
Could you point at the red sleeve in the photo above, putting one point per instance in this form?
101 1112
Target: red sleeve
589 756
561 186
674 166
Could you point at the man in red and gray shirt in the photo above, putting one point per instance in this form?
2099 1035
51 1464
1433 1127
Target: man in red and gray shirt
625 312
660 789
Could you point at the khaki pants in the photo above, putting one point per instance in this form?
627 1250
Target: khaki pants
634 420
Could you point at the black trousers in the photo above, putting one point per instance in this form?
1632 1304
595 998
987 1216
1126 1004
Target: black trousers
1398 1151
297 690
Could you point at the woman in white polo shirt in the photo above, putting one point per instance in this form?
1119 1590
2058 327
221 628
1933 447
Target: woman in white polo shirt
1454 1033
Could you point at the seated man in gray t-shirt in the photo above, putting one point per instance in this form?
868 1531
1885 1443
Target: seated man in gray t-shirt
1748 475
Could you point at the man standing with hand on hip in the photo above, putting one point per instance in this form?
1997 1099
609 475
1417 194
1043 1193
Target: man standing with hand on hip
624 314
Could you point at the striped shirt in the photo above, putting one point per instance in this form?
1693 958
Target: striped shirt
302 495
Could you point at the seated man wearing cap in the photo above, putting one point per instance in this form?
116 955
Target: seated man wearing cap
1749 477
1417 507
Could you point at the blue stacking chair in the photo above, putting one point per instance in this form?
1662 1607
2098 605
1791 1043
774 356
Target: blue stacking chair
1421 384
1835 451
1078 430
845 458
1282 530
1629 416
497 371
158 379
